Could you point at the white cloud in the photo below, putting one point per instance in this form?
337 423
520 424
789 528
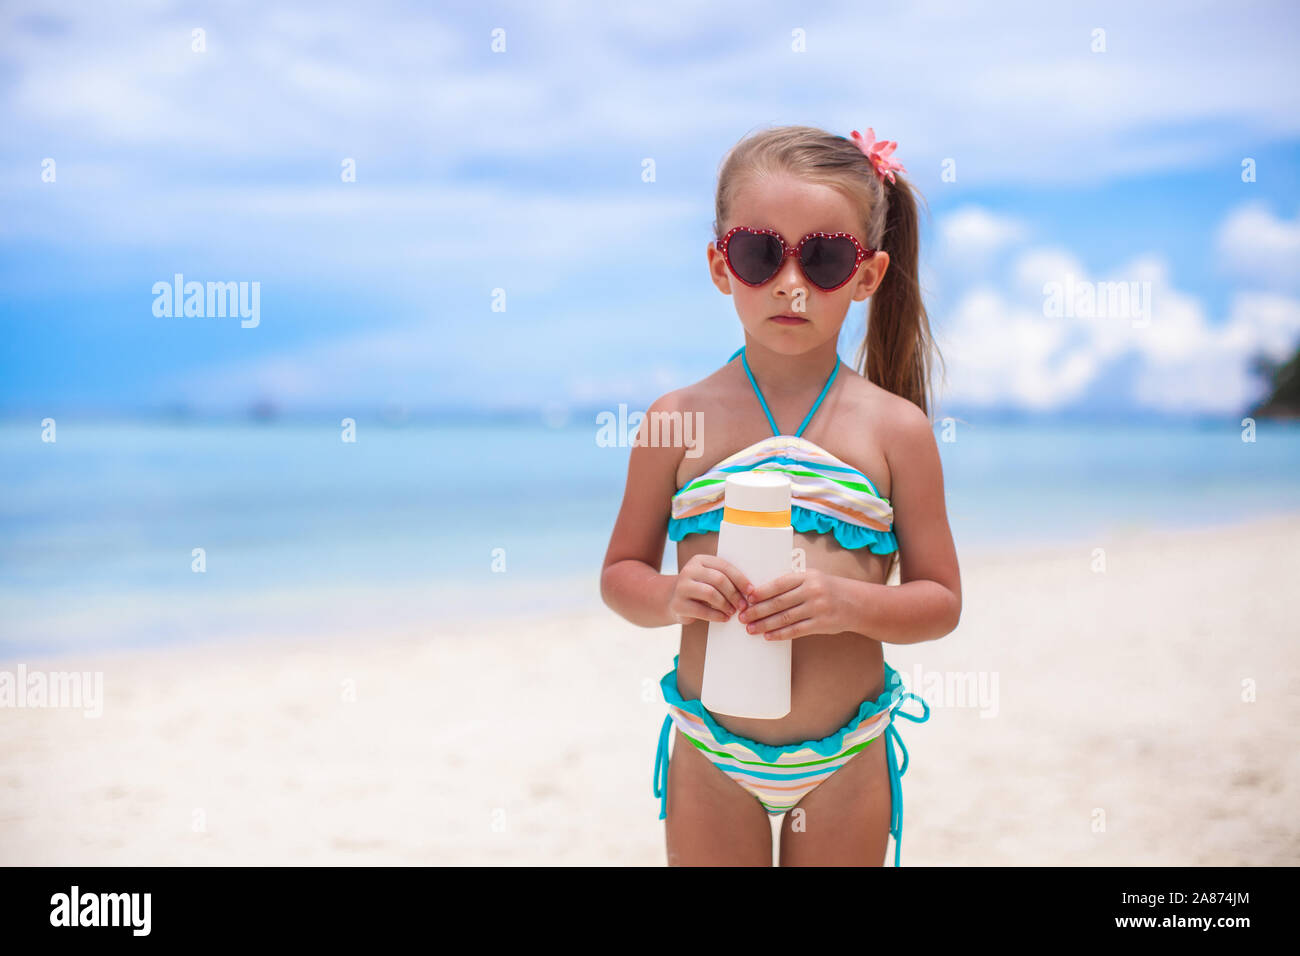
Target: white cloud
973 237
1212 372
1034 268
1001 349
998 352
1259 246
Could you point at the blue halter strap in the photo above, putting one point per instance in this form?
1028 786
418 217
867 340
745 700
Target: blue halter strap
770 420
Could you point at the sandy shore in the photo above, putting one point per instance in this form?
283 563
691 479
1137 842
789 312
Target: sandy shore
1118 733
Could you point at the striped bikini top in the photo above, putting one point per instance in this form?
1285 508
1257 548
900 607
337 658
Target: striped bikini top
828 496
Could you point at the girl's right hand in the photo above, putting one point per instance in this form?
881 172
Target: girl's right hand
707 589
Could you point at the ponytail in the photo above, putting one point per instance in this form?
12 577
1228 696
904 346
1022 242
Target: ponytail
895 352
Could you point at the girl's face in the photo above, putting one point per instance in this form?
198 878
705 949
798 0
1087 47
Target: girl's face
794 208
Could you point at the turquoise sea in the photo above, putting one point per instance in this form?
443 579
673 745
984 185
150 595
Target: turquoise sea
414 524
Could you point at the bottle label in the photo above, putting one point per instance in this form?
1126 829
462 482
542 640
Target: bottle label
757 519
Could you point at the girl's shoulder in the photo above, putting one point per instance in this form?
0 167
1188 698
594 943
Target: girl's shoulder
867 399
877 428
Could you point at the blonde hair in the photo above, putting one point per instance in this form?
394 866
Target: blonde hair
897 350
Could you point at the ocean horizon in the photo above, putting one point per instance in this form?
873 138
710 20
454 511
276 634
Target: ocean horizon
297 530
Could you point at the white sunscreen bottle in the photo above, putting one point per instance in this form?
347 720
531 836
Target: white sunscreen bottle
746 675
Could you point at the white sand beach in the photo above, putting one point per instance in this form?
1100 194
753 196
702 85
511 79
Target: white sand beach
1121 731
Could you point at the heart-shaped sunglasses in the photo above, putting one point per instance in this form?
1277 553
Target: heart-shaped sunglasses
828 259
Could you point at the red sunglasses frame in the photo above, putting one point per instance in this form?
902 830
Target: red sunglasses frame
862 253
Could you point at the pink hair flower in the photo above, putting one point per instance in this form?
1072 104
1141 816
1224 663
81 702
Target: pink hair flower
878 153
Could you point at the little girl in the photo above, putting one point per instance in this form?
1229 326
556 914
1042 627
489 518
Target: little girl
807 223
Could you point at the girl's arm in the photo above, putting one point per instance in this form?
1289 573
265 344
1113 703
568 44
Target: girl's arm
630 582
927 603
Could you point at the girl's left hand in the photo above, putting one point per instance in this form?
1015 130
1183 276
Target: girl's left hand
795 604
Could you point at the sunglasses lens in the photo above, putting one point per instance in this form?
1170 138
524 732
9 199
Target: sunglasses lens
828 262
754 256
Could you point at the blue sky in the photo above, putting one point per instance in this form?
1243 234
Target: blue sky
521 170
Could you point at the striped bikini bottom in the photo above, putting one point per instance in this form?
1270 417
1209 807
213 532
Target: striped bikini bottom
779 777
